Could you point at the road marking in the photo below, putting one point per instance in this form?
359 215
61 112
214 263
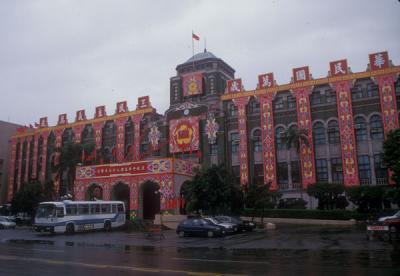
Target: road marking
220 261
37 249
131 268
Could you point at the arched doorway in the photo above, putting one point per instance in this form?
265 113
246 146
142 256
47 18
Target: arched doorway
150 199
94 192
121 192
182 194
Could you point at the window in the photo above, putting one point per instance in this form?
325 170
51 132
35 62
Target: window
95 208
282 173
361 129
235 142
60 212
372 90
291 102
316 98
380 168
232 110
105 208
295 171
254 107
356 93
333 132
279 134
83 209
337 173
120 208
319 133
376 127
321 170
71 210
398 88
364 168
214 149
330 96
257 140
278 103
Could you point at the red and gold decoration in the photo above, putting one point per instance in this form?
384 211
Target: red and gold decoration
35 156
43 122
192 84
62 119
184 134
122 107
120 123
234 86
100 112
242 127
211 129
80 116
11 170
339 68
266 80
379 61
301 74
136 119
44 156
154 136
143 102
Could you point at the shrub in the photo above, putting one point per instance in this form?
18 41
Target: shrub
292 203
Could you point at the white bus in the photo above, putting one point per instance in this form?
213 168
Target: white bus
73 216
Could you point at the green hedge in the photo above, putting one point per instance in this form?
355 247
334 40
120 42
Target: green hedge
308 214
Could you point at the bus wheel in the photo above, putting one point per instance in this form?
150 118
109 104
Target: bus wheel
107 226
70 229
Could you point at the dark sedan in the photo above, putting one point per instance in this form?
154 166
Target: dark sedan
198 227
243 225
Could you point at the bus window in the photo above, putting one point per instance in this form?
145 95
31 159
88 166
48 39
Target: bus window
46 211
113 208
83 209
120 208
71 209
60 212
105 208
95 208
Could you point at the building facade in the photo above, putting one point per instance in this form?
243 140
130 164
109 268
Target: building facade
212 119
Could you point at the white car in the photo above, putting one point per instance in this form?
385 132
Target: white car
229 227
395 216
6 223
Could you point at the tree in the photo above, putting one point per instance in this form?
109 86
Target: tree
294 137
260 197
27 198
391 154
367 198
330 196
211 192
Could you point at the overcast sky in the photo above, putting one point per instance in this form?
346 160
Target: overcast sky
62 56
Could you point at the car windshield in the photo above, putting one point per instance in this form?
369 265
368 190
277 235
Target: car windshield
46 210
397 214
4 219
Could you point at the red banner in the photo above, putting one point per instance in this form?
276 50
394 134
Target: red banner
234 86
301 74
62 119
120 154
184 134
379 61
266 80
268 140
100 111
388 103
242 127
338 68
192 84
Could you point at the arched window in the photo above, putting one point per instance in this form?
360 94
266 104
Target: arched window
67 136
235 142
279 134
232 110
88 135
129 135
253 107
257 140
109 135
361 129
278 103
333 132
319 133
376 127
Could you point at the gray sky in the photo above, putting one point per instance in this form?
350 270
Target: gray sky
60 56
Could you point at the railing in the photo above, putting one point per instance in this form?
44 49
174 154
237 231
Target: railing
365 181
283 186
382 181
338 182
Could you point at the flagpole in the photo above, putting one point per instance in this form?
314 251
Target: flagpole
193 50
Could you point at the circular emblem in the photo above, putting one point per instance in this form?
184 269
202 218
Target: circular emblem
192 87
183 134
186 112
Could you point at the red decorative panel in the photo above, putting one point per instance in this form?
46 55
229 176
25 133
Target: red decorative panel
338 68
77 130
98 130
266 80
62 119
120 123
122 107
379 60
242 127
143 102
21 147
100 111
80 115
11 170
268 140
35 156
306 151
387 94
44 156
347 136
192 84
301 74
58 144
234 86
28 151
184 134
43 122
136 136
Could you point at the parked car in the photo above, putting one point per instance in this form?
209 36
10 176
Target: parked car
6 223
198 227
392 221
243 225
229 227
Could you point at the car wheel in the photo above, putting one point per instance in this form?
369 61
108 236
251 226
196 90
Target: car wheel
107 226
70 229
210 234
181 234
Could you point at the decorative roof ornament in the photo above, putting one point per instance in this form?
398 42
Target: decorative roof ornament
211 129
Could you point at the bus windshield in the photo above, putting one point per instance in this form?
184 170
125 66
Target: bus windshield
46 210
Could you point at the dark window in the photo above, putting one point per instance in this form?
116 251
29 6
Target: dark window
316 98
380 168
398 88
71 210
291 102
319 133
67 136
295 171
235 142
279 134
278 103
257 140
333 132
83 209
232 110
356 93
376 127
364 168
321 170
95 208
214 149
337 173
361 129
120 208
282 173
254 107
330 96
88 135
372 90
105 208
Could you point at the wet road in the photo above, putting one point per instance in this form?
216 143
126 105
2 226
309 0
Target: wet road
284 251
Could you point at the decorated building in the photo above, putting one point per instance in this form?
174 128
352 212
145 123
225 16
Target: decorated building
144 158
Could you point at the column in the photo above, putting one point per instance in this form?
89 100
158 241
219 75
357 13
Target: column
58 144
35 156
242 127
387 94
11 170
28 151
44 157
120 123
98 131
77 130
268 140
136 143
21 148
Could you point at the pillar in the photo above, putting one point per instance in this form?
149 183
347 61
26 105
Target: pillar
120 123
11 170
35 156
136 136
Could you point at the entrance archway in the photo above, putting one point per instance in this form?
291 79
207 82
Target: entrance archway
121 192
150 199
